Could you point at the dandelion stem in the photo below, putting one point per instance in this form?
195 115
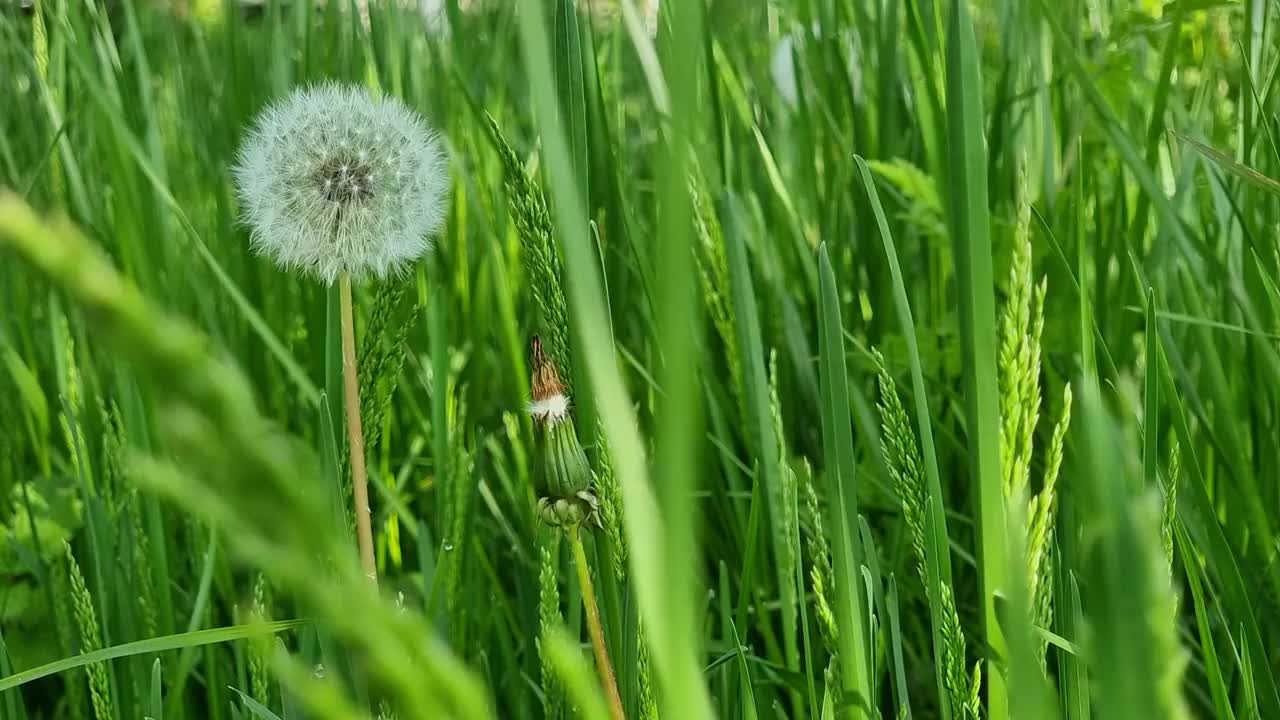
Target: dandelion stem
607 678
355 433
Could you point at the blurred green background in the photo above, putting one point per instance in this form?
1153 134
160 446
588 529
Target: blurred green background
742 200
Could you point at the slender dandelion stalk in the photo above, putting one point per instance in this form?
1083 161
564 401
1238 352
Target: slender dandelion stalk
607 677
566 499
355 433
343 186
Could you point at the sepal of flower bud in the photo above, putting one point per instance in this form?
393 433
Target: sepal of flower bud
570 512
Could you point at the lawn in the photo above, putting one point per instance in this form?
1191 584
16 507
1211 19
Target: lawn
555 359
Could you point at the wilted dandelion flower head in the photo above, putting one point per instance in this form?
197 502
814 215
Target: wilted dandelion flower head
332 180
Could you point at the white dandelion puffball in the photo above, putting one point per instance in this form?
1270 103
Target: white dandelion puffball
333 181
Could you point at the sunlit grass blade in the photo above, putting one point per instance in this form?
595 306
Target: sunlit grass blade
1218 688
649 533
156 698
937 544
1151 398
837 442
970 234
259 710
578 679
760 431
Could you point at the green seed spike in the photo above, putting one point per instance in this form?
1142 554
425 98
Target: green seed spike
541 261
548 619
902 458
90 639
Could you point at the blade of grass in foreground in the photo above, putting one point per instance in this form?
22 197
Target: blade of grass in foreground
837 444
1208 649
678 416
674 655
1134 655
1029 695
1151 397
1196 515
259 710
209 417
937 547
578 679
150 645
760 431
13 704
970 235
156 698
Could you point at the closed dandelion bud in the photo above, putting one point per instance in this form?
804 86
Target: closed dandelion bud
565 469
565 495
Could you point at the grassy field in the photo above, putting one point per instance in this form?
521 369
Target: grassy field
924 357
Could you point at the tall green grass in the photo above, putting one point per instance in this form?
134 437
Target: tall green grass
924 353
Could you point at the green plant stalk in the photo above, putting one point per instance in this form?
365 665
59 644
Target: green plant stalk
846 552
607 678
937 543
967 164
355 434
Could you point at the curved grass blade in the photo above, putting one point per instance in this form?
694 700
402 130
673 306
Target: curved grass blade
150 645
936 540
1230 164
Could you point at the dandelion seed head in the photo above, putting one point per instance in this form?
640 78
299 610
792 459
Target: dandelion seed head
332 180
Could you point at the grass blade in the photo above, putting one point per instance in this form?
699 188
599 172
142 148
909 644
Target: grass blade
837 443
970 234
674 659
150 645
937 544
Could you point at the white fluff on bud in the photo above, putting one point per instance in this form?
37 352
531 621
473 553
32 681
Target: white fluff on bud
550 409
333 181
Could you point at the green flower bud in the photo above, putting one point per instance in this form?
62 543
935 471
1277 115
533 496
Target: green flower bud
566 497
565 471
564 488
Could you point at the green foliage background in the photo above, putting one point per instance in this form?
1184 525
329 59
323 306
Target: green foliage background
789 257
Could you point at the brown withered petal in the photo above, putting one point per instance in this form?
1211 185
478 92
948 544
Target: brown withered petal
546 379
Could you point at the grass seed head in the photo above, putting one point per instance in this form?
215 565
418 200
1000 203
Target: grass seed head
332 181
